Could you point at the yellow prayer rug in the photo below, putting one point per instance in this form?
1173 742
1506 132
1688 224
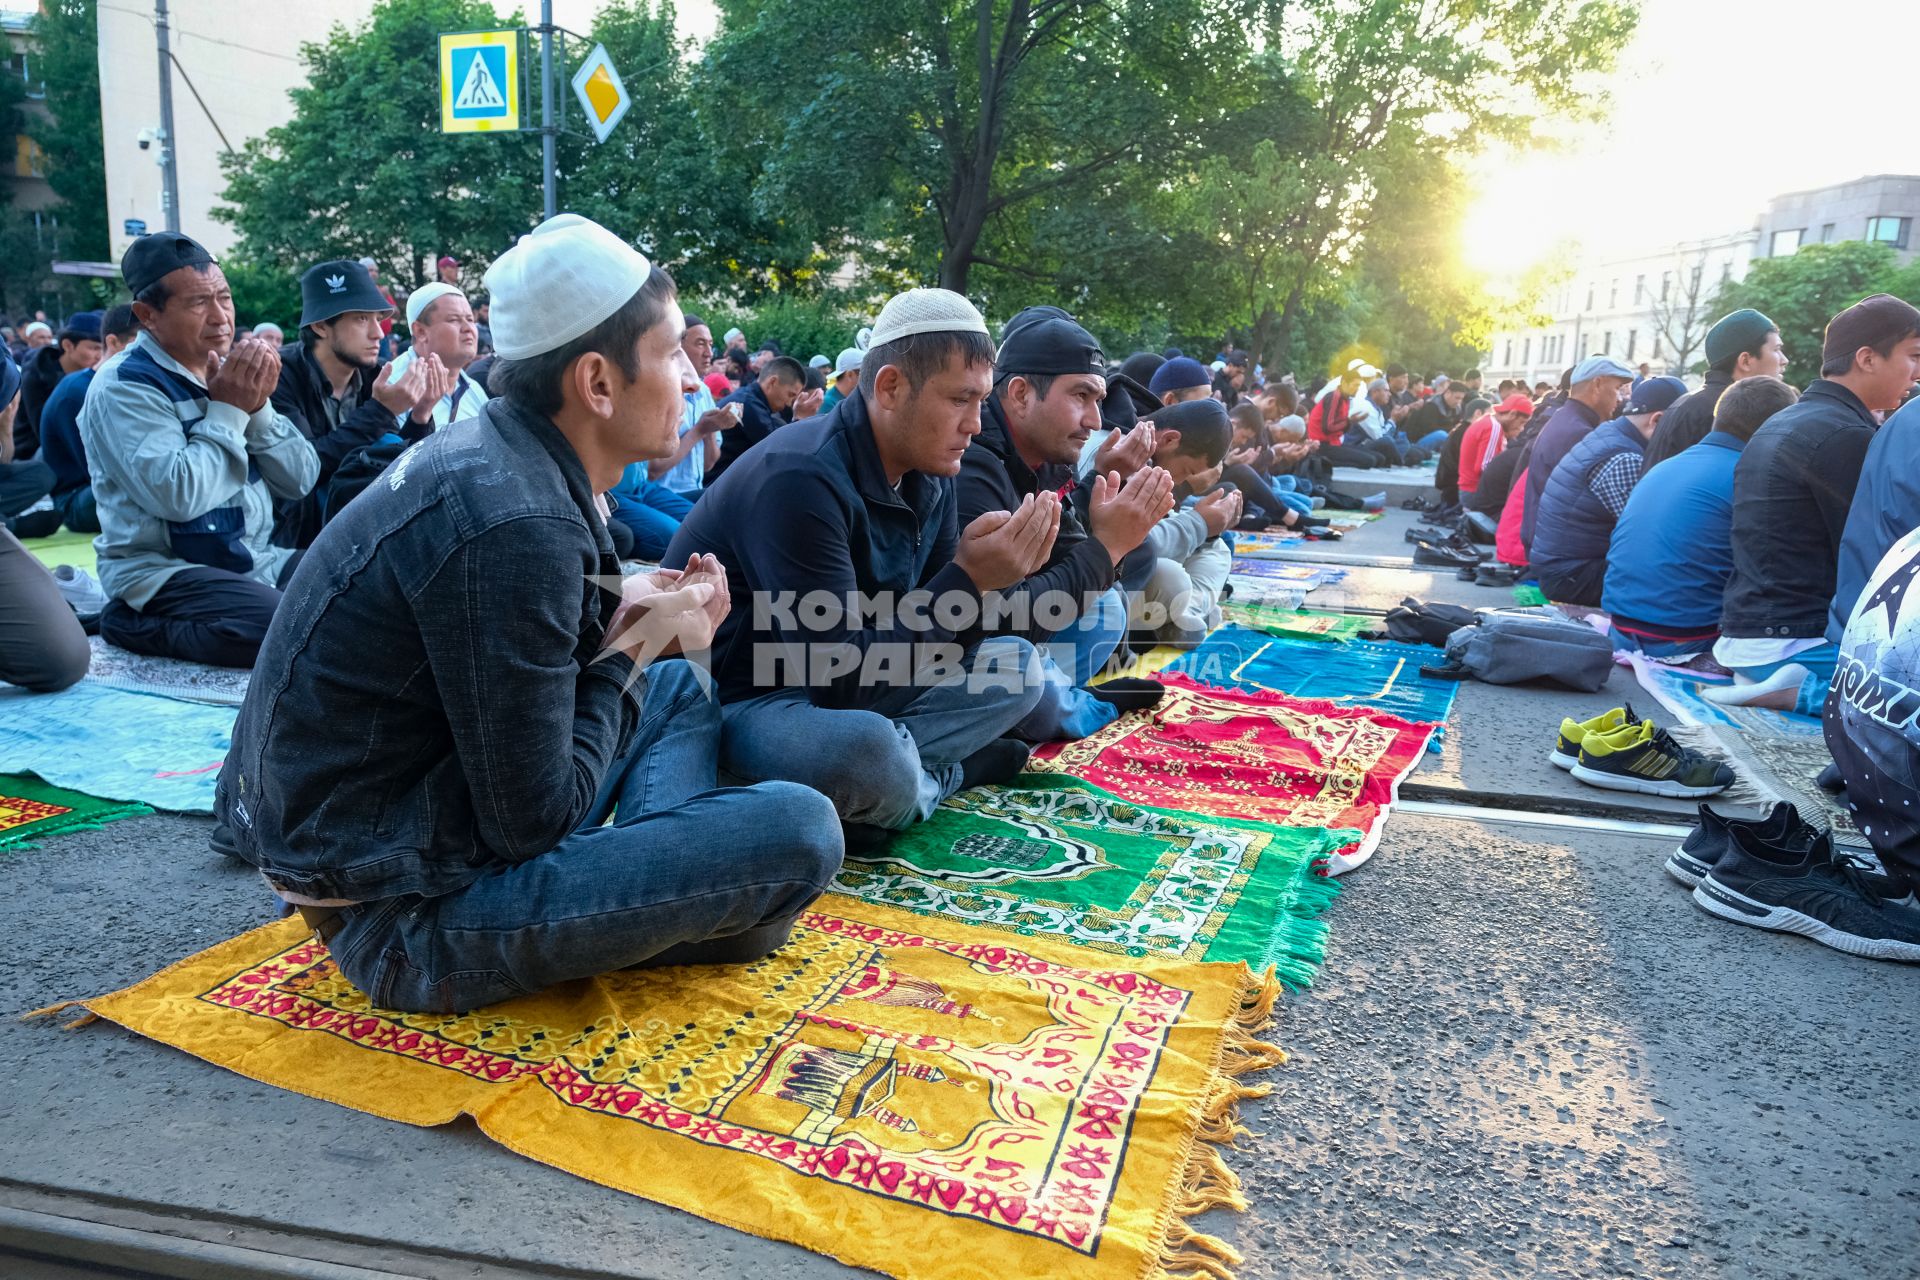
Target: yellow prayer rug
911 1094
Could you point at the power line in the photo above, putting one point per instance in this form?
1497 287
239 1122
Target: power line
231 44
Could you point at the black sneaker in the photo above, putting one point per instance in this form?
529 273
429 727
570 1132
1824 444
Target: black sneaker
1644 757
1442 557
1835 900
1707 843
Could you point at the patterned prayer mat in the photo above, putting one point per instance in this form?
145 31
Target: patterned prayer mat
1261 593
166 677
31 809
1261 757
918 1096
117 744
1360 672
1296 624
1773 767
1058 856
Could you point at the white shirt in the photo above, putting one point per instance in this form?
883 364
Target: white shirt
465 400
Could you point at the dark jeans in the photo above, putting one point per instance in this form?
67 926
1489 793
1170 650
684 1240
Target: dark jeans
41 644
653 512
688 873
202 615
21 485
1573 581
1353 455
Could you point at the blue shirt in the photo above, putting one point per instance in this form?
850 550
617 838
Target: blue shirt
691 471
60 445
1886 507
1672 550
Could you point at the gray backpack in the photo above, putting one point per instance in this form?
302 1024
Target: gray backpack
1515 646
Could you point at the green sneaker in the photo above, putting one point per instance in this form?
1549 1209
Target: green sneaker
1644 757
1566 751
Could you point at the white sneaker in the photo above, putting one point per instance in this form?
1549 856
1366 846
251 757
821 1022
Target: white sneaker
82 592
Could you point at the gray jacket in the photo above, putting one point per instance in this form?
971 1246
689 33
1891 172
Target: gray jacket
181 480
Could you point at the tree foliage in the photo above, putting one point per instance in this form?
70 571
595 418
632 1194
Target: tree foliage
69 62
1803 291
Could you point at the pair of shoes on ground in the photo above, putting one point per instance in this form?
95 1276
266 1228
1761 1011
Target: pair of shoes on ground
1621 752
1454 552
1498 573
80 590
1782 874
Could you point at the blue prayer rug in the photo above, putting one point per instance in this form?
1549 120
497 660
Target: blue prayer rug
1365 673
117 744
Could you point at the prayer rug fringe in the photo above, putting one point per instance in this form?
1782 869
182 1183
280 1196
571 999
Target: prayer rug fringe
1748 788
1207 1182
31 809
569 1077
55 1010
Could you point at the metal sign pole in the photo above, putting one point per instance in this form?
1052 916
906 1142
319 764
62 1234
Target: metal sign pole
169 154
549 185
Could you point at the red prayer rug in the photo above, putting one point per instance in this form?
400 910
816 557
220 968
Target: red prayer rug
1264 757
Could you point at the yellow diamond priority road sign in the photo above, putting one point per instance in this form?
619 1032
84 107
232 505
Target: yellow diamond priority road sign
601 94
480 81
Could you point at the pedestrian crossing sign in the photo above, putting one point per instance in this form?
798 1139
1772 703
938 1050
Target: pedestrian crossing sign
602 95
479 81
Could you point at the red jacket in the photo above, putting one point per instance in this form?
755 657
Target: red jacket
1477 450
1326 424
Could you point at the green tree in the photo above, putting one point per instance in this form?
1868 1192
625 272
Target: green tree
926 130
362 167
69 62
1803 291
1387 94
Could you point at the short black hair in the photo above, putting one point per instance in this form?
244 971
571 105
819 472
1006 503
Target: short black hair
920 356
1208 439
535 383
1744 407
1396 371
785 368
1247 414
1471 373
1040 382
119 322
1455 384
691 319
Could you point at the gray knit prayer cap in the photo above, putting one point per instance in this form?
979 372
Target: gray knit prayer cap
926 311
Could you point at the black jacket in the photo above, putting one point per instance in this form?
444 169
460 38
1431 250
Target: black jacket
757 422
300 396
39 375
427 706
993 477
1688 421
810 511
1427 417
1792 490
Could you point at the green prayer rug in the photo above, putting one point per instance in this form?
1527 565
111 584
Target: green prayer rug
1062 857
1296 624
30 809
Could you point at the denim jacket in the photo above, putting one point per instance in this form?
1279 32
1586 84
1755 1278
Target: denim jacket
426 706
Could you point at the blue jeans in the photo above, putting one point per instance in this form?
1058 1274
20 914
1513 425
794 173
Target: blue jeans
1625 643
652 511
1820 664
1077 653
78 511
891 763
1431 442
688 873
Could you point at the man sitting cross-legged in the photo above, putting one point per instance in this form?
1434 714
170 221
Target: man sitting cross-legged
1050 381
859 669
189 459
456 694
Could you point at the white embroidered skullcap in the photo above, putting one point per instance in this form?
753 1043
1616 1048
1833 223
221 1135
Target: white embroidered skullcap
560 281
926 311
425 296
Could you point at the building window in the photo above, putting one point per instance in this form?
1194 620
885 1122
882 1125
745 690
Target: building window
1726 270
1693 286
1639 290
1582 353
1656 346
1508 359
20 64
1785 243
1826 233
1666 285
1633 340
1606 343
1889 231
1526 352
1589 297
29 161
1613 297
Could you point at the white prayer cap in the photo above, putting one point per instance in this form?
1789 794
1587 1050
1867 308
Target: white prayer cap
38 326
926 311
559 282
425 296
732 336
